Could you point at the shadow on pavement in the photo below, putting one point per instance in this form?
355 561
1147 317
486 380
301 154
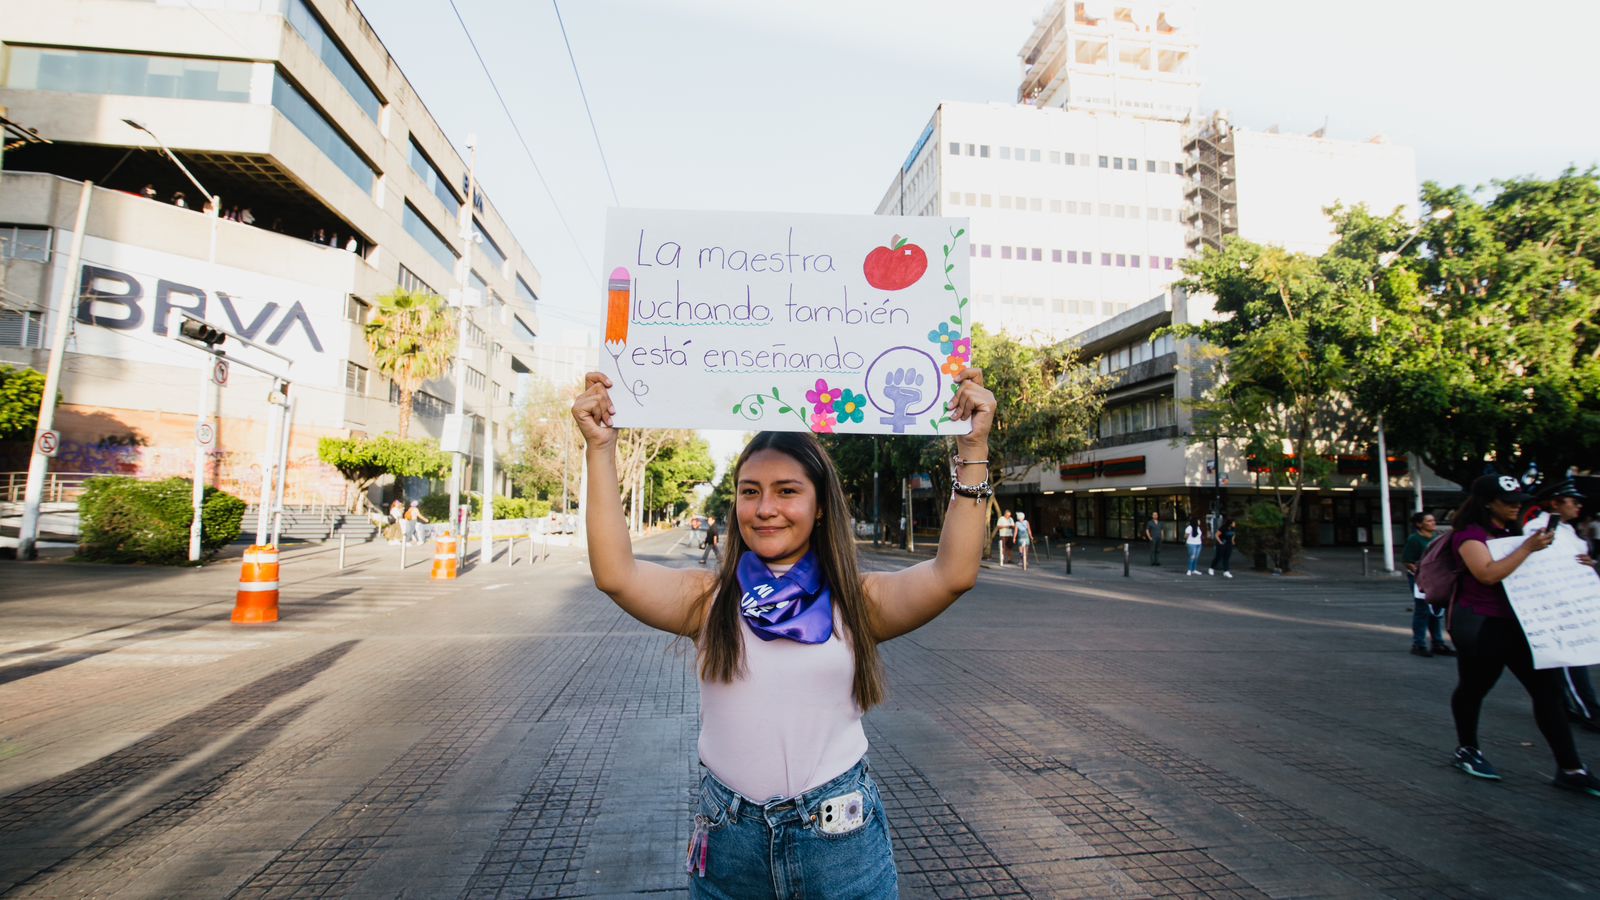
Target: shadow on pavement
95 799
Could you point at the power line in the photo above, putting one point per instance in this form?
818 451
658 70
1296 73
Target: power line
524 141
585 95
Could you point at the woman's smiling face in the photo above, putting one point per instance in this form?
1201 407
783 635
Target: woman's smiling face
777 507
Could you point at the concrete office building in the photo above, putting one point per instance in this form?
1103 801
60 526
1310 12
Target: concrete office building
336 183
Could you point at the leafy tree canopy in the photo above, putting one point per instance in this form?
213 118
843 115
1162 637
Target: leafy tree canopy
364 460
21 390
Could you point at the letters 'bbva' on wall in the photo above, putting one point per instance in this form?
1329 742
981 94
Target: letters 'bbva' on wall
789 322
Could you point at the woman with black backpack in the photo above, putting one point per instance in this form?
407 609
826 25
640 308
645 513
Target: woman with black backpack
1489 639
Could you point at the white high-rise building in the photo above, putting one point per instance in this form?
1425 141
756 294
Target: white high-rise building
1084 196
1075 216
1130 57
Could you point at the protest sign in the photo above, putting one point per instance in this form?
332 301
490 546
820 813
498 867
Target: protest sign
1556 599
786 322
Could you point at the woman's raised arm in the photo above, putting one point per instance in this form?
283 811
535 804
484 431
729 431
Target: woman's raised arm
656 595
906 600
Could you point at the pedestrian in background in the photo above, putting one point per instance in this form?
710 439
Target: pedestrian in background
1152 533
1227 533
1005 530
1425 623
414 522
1024 539
787 634
708 547
1489 638
1194 539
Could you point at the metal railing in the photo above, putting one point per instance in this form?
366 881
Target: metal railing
59 487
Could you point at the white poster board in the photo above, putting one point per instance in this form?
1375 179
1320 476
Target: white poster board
785 322
1556 599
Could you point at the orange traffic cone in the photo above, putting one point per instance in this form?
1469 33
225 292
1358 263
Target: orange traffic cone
257 600
444 557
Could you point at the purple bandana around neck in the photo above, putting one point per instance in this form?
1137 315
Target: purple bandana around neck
796 605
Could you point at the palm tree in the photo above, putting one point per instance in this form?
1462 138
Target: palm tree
412 336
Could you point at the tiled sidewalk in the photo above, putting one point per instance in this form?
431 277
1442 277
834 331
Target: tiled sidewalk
513 734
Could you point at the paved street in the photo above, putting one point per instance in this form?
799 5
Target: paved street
514 735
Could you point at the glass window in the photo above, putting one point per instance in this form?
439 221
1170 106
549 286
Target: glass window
1149 165
983 151
431 241
22 242
525 293
1133 260
490 248
433 178
1005 152
21 329
1122 260
1055 156
1072 256
129 74
333 56
1005 201
1105 259
955 149
356 310
1116 162
1033 156
408 280
1055 256
1036 255
355 378
1071 159
1105 162
317 129
986 249
1133 164
1005 251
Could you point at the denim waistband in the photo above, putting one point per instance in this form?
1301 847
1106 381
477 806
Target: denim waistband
800 809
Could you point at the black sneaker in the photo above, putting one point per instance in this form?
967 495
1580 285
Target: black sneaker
1580 781
1443 650
1419 650
1470 760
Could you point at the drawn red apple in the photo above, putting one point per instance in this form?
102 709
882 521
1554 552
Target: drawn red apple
895 267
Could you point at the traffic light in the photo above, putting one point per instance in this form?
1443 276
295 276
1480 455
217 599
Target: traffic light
196 330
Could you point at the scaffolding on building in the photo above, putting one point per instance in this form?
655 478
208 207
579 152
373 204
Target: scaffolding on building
1211 204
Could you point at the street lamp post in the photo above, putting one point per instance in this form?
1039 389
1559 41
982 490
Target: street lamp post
1384 508
215 199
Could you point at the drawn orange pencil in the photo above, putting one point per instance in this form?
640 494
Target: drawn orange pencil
619 294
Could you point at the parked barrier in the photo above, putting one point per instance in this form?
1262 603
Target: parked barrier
257 599
444 557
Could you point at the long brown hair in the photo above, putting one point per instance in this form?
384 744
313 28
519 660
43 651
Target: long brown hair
721 647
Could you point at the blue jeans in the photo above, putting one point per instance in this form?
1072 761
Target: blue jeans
1194 557
1424 624
777 848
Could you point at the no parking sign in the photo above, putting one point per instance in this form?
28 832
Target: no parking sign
49 443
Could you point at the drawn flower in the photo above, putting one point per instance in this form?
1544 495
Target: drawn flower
953 365
822 422
944 336
849 406
823 397
961 349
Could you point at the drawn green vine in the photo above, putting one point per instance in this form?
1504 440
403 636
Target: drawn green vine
961 311
754 406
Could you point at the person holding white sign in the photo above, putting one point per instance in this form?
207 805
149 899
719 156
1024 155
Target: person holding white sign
1564 502
787 633
1489 639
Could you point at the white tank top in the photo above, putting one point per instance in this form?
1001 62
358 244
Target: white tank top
789 724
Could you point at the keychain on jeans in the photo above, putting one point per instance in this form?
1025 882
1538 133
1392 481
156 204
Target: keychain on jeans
699 845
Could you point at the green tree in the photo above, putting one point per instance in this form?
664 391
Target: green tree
1049 403
1277 372
1481 343
364 460
21 391
675 471
412 336
547 447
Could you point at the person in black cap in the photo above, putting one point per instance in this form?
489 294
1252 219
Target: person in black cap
1564 502
1489 638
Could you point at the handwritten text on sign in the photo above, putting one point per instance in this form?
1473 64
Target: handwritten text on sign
834 324
1556 599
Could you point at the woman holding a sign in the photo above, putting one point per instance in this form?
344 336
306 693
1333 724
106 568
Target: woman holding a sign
1489 639
787 634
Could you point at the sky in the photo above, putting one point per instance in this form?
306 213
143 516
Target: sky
811 107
